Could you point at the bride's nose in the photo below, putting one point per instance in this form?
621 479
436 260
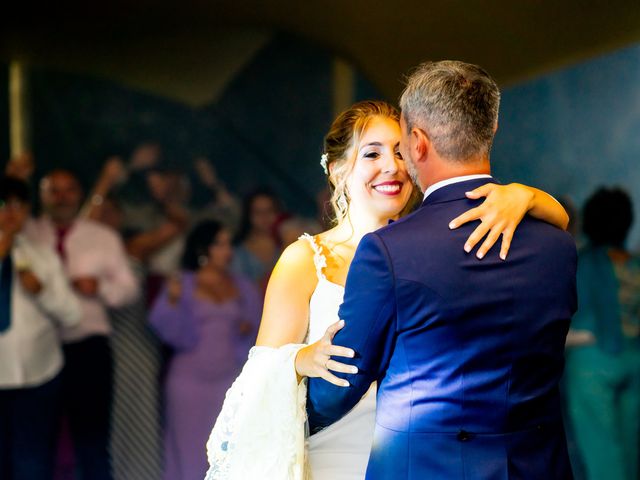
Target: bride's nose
390 165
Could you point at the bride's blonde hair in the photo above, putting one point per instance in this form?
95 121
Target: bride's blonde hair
339 146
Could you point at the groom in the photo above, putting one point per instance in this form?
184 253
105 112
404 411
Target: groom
467 354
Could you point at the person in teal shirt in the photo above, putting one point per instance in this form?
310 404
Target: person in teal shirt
603 358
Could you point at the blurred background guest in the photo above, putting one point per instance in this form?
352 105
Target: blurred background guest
169 192
98 268
35 299
21 166
151 197
136 438
290 229
257 244
603 363
210 198
153 224
209 317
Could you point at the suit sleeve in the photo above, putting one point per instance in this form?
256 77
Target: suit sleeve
369 312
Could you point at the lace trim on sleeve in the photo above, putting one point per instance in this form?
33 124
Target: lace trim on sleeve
260 432
319 260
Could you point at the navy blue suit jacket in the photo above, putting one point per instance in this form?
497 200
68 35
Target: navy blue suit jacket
467 353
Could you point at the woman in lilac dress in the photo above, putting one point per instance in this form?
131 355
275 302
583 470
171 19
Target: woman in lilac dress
208 316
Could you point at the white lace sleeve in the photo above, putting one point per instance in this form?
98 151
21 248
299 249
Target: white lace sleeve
260 432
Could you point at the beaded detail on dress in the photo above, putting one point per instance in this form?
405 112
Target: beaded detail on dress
319 260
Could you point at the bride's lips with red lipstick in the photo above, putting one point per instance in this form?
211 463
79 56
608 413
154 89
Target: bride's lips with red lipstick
391 188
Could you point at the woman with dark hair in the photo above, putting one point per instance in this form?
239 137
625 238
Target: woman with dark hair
258 247
603 367
208 316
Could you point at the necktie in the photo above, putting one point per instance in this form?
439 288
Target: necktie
6 276
61 235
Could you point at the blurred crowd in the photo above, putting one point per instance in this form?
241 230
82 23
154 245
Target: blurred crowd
126 311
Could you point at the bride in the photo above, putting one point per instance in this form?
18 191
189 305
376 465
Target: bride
260 432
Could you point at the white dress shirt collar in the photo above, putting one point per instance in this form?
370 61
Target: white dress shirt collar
451 181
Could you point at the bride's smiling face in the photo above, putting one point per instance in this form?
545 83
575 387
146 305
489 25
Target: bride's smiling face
379 183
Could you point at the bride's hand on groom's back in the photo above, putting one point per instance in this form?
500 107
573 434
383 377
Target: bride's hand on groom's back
499 214
315 360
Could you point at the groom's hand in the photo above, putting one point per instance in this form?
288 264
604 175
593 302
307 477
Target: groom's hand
315 360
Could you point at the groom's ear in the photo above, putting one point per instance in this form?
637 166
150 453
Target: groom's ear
419 144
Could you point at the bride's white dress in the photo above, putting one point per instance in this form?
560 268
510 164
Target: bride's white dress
260 432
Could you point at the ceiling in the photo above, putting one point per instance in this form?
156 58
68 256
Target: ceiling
179 49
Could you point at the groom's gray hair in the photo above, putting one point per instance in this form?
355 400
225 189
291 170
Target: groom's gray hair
455 104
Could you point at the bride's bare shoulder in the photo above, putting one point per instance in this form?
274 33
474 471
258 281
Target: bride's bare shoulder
300 252
285 314
296 265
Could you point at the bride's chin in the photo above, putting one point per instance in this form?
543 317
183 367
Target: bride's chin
391 212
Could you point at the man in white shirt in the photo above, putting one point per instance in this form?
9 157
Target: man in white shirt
35 299
97 267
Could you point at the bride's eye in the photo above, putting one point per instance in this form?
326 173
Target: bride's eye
399 155
372 155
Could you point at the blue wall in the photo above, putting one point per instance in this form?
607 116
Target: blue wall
78 121
568 131
575 129
266 128
272 118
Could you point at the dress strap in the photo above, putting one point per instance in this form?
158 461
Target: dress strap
319 260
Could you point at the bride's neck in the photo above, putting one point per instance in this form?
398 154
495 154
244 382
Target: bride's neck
357 224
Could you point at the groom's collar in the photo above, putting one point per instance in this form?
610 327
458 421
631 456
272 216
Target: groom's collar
454 188
451 181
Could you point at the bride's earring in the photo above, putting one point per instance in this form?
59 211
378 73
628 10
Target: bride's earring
342 202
